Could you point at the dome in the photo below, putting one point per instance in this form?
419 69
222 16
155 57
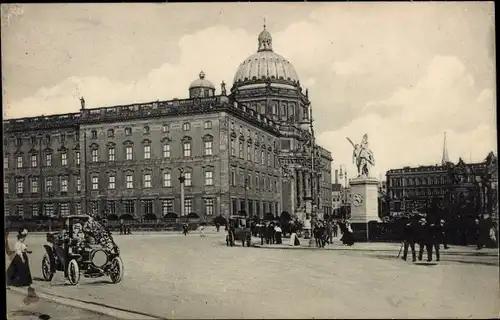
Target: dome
201 82
265 64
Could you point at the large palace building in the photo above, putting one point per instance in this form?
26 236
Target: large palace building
247 150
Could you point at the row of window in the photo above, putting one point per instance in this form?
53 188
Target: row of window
47 209
256 154
34 140
398 194
34 184
33 160
254 207
400 182
186 126
258 182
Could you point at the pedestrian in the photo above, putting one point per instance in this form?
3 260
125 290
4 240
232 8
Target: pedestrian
185 229
277 233
335 229
436 237
293 234
444 238
329 231
217 226
425 239
202 233
409 239
262 232
18 271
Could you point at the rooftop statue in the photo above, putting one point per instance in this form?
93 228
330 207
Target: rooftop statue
362 156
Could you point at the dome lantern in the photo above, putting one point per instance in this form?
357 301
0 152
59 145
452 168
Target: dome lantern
201 87
265 41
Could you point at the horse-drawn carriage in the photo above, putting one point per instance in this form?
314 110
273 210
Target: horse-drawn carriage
239 230
75 251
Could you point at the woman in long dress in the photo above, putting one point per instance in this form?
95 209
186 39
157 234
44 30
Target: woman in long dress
18 272
347 234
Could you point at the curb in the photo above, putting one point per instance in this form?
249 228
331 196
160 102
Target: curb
89 306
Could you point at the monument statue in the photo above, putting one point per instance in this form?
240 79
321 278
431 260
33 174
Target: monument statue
362 156
82 102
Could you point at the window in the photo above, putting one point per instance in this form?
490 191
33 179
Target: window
64 184
6 162
128 131
249 179
148 206
147 152
95 155
48 184
186 126
48 209
47 138
167 179
128 153
165 128
257 183
187 181
209 180
110 207
130 181
249 152
263 157
269 160
64 207
19 141
240 150
111 154
78 184
147 180
167 206
233 148
78 208
94 134
94 207
77 157
186 147
146 129
48 160
19 186
208 148
64 159
232 125
111 133
111 182
34 210
95 183
207 125
34 159
209 207
188 206
19 161
129 207
233 178
20 210
256 155
166 151
6 186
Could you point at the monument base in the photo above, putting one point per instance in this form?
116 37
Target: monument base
364 209
364 231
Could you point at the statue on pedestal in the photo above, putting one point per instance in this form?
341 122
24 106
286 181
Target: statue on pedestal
82 102
362 157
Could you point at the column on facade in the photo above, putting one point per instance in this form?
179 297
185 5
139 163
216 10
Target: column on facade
307 183
300 188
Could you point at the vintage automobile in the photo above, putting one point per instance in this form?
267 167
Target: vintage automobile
75 252
239 229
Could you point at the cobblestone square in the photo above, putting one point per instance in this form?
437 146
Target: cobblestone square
175 276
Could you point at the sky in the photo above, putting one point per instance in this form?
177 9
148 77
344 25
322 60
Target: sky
403 73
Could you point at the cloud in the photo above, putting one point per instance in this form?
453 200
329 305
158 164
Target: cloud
407 128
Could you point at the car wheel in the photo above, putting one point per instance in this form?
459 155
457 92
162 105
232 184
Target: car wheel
73 272
47 272
117 270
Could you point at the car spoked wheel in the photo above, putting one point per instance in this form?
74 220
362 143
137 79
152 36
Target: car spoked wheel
73 272
47 268
116 270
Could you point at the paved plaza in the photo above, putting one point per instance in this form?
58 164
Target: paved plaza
175 276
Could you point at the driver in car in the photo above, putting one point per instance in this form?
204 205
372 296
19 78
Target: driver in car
97 234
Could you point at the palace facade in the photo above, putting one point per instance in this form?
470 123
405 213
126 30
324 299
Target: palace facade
249 150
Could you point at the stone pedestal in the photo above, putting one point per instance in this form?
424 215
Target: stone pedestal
364 206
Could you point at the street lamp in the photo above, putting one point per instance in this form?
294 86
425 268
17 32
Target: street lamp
182 179
246 197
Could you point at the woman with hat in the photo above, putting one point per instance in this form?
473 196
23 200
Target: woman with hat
18 273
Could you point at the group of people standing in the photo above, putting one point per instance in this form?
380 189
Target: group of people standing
270 232
428 235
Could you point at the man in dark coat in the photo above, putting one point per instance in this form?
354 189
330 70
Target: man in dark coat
436 237
410 233
424 239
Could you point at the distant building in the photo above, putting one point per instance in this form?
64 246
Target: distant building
459 187
336 196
